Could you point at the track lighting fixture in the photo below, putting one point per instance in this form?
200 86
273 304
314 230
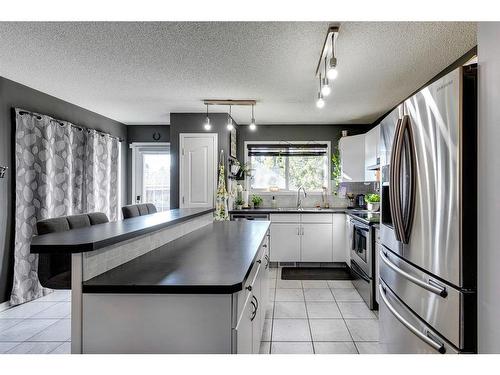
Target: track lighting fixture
252 125
330 72
332 66
325 88
320 103
230 125
207 125
230 102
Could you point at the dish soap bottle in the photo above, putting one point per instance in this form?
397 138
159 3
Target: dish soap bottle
274 203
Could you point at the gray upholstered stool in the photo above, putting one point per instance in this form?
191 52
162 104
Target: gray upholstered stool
135 210
54 270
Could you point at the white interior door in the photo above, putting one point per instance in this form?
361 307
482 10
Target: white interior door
198 170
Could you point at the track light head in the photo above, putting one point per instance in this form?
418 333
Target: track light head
320 103
332 72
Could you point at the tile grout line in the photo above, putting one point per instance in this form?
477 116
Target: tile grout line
272 316
343 319
307 315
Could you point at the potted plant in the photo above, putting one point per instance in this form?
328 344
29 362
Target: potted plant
256 200
239 202
373 201
336 171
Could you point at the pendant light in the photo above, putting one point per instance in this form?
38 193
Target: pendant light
325 88
230 125
207 125
252 125
332 66
320 103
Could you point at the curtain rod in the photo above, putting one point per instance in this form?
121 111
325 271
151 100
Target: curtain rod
81 128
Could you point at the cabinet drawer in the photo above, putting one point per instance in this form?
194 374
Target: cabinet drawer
285 218
316 218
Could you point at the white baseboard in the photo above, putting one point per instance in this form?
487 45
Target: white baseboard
4 305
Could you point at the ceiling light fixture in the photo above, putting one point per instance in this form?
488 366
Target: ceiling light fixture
325 88
252 125
329 65
332 66
230 125
207 125
320 103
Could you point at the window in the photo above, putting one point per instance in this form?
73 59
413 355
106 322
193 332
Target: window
156 180
151 174
286 166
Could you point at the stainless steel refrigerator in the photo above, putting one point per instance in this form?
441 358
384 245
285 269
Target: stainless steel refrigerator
427 291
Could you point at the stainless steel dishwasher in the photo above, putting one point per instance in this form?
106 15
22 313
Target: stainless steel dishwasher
249 216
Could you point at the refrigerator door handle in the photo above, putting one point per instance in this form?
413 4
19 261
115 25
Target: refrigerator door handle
396 183
425 338
407 214
393 181
439 290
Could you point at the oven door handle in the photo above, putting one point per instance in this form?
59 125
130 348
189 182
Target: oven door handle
440 291
433 343
358 272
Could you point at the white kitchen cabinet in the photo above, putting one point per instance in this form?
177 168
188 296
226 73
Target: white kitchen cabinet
244 327
372 152
338 237
310 238
352 157
316 242
285 242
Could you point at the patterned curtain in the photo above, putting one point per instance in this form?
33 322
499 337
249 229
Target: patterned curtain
102 156
52 164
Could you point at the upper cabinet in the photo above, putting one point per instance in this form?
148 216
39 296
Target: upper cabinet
352 157
372 153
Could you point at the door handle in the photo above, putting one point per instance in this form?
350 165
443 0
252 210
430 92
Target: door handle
439 290
425 338
408 143
396 185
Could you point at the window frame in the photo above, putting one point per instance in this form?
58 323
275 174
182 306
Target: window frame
139 148
287 192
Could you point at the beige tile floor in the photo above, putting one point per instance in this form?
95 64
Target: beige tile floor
40 327
320 317
304 317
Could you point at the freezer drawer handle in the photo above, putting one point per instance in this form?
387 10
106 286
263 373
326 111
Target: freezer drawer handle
425 338
439 290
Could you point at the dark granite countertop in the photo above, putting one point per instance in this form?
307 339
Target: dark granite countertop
289 210
102 235
214 259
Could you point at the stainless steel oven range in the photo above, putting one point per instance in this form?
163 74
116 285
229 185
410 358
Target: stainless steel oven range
362 261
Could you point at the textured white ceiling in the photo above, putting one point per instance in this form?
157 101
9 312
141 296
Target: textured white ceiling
138 73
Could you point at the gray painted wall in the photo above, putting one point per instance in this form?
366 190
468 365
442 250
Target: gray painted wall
296 133
142 133
192 123
488 182
12 95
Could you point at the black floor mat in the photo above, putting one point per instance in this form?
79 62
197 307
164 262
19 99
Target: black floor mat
315 273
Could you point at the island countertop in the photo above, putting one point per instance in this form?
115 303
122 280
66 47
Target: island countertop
106 234
214 259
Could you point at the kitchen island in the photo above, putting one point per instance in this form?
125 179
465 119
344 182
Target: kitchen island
205 292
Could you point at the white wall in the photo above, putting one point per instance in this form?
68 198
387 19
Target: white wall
488 188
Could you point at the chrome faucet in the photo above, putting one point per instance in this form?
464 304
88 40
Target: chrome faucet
299 201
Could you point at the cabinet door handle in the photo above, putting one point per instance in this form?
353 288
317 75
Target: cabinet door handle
298 231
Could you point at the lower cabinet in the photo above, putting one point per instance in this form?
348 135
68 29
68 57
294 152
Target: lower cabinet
285 242
251 312
310 238
316 243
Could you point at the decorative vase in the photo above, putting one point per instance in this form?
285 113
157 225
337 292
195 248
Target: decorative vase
239 207
374 206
